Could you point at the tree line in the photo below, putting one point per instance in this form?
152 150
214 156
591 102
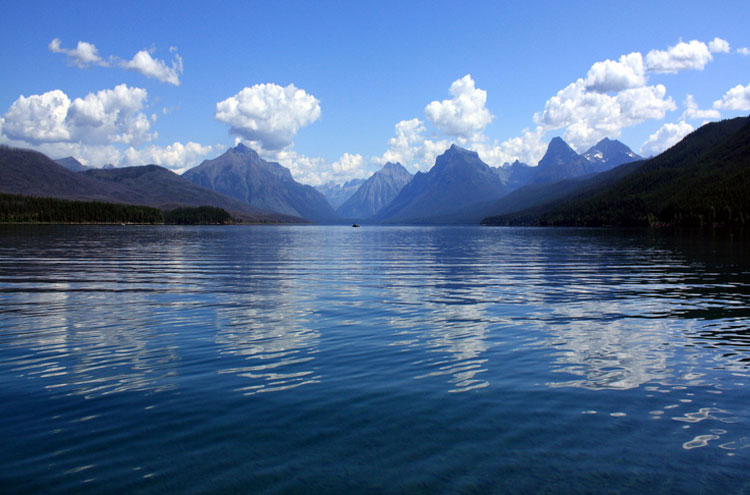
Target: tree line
31 209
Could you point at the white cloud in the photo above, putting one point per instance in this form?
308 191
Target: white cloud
402 147
743 51
463 115
609 75
91 155
410 147
316 171
348 164
306 170
86 54
144 63
528 148
91 129
176 156
108 116
737 98
589 116
667 136
683 56
268 113
692 112
83 55
718 45
38 118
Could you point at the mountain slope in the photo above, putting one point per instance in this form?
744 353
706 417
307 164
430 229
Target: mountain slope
560 162
240 173
608 154
457 179
156 186
516 174
376 192
33 174
71 164
702 180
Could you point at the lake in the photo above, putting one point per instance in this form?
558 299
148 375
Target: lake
378 360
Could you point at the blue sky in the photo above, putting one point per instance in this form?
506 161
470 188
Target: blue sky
334 89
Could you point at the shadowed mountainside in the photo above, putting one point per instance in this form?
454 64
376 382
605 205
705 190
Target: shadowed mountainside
31 173
241 174
376 192
701 181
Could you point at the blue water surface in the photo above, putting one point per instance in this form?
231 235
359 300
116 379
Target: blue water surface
379 360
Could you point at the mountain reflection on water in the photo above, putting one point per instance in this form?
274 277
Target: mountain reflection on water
522 324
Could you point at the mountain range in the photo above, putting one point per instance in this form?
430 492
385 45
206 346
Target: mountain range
33 174
337 194
376 192
72 164
461 188
458 178
241 174
702 179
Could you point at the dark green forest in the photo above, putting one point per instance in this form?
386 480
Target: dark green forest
703 181
29 209
201 215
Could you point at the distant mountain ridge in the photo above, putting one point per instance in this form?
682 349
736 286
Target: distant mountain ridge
458 178
515 174
337 194
608 154
242 174
561 162
71 164
457 189
31 173
376 192
704 180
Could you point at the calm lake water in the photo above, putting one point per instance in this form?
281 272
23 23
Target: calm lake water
379 360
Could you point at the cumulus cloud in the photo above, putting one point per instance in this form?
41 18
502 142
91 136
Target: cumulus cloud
718 45
692 112
307 170
464 114
86 54
176 156
667 136
743 51
590 116
737 98
528 148
409 146
609 75
268 113
38 118
83 55
683 56
144 63
402 147
316 171
107 116
111 116
347 164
